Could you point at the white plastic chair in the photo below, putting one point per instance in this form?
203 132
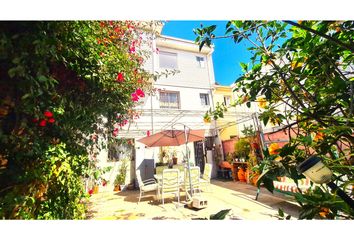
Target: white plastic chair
169 184
205 179
147 185
195 180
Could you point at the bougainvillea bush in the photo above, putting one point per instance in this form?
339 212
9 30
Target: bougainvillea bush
62 84
307 67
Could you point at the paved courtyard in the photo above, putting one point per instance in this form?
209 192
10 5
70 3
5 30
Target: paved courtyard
237 196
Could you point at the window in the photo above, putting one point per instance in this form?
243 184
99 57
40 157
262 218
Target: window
118 150
169 99
227 100
204 98
168 60
201 62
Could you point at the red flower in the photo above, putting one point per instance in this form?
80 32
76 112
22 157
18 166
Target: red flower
90 192
48 114
132 49
51 120
104 183
120 77
42 123
35 120
140 93
115 132
135 97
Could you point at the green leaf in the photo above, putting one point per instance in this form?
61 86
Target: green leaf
201 45
25 96
220 215
268 184
265 120
257 67
244 66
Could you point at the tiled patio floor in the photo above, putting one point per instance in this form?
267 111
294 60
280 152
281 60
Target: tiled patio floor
239 197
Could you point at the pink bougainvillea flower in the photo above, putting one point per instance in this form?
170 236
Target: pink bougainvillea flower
120 77
125 121
135 97
48 114
42 123
115 132
132 49
51 120
140 93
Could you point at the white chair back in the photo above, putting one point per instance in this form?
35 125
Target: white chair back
207 171
195 175
170 180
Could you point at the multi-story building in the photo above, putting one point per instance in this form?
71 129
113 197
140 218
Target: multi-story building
227 125
180 99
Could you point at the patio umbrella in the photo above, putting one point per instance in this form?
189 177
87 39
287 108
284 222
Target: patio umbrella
174 138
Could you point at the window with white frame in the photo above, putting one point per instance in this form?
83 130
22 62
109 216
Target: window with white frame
227 100
204 98
169 99
168 60
200 61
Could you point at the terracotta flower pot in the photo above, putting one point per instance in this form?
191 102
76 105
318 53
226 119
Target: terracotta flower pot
95 189
241 175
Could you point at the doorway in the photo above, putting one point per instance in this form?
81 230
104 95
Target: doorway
199 155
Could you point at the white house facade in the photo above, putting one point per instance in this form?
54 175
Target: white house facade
179 100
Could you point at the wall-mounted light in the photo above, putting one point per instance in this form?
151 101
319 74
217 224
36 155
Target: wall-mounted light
317 172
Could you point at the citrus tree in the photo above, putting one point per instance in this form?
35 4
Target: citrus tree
62 85
307 67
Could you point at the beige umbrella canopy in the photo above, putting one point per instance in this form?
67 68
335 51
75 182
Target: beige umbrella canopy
172 138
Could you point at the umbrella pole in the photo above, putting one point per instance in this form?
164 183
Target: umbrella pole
188 164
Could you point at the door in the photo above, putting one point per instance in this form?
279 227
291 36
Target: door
199 155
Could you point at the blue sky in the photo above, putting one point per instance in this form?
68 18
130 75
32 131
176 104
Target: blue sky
227 55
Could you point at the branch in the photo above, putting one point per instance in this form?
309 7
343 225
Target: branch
334 40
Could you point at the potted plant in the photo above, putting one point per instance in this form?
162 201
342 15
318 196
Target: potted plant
121 176
174 157
98 178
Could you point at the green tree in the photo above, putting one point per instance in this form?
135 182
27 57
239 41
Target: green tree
63 84
311 74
